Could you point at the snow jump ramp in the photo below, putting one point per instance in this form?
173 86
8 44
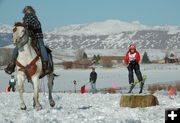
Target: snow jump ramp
134 101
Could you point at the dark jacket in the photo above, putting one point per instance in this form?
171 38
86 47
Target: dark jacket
12 82
31 21
93 76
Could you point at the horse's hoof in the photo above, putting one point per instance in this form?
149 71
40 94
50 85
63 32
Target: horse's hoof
23 108
38 108
34 104
52 103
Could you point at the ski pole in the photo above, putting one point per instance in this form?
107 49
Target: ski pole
87 83
74 85
44 89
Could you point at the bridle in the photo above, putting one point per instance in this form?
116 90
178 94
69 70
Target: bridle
23 40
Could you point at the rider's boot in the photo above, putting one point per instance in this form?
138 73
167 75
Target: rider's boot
11 67
46 68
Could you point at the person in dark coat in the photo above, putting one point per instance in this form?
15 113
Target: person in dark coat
31 22
12 83
93 78
132 59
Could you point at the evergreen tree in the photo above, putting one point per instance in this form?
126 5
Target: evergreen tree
95 58
145 58
98 57
172 55
85 56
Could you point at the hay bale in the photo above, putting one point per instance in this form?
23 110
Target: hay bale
134 101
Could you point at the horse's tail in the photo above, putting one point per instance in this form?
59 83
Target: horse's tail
55 75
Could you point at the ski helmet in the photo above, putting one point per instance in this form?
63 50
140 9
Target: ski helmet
132 47
29 8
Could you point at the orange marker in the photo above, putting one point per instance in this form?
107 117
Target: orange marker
171 91
6 89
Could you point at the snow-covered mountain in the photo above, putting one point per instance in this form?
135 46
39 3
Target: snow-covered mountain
114 34
5 35
110 34
110 27
5 28
100 28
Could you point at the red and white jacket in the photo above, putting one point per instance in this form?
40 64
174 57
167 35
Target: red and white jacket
132 57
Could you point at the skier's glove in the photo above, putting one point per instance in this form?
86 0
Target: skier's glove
132 62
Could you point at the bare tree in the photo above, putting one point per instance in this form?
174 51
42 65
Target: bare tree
5 56
79 54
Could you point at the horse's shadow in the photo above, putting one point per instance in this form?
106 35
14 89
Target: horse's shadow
84 107
59 108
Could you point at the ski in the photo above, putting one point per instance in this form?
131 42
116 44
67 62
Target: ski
140 82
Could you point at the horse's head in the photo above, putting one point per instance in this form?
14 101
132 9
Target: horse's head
18 33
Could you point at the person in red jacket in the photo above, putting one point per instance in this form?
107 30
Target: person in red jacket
132 59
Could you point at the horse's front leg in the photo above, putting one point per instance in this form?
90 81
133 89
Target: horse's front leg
34 104
36 93
50 87
20 85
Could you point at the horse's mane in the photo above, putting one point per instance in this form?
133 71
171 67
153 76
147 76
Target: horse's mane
19 24
16 25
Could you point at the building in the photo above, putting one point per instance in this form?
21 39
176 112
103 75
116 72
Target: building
109 61
84 63
171 58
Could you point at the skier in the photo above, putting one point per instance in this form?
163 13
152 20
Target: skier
132 59
12 83
93 78
31 22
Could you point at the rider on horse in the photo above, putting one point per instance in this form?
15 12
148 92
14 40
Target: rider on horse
31 22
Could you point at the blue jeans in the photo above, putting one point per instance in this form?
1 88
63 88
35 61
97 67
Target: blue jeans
93 87
41 47
15 53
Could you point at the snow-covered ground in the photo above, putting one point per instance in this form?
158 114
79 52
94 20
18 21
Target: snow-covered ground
106 77
90 108
83 108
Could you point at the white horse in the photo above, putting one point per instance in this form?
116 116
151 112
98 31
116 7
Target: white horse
28 58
